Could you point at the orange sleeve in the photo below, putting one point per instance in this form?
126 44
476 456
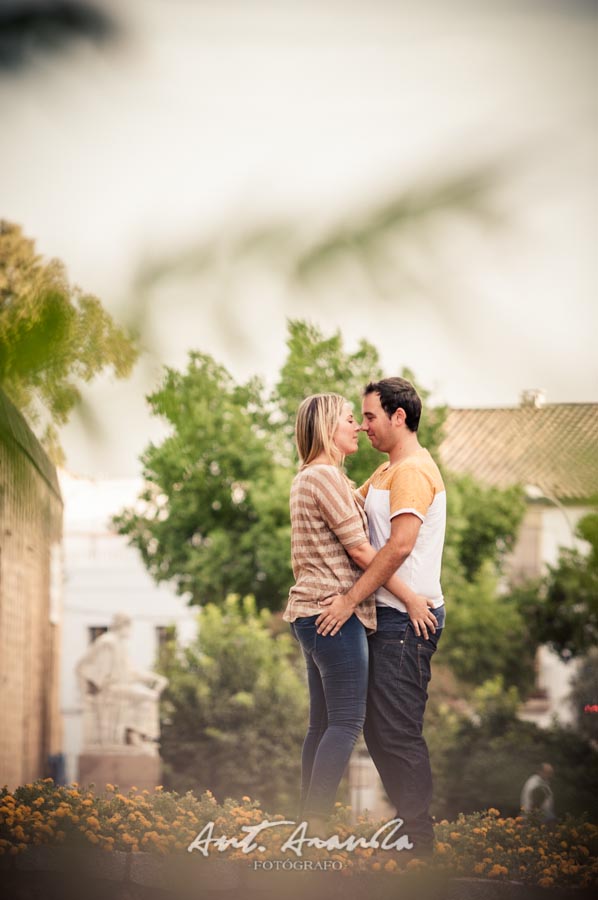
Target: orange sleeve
411 491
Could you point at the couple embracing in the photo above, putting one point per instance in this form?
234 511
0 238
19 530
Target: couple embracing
367 637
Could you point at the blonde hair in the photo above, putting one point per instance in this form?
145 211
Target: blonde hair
317 419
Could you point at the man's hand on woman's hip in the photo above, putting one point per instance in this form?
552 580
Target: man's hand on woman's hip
338 610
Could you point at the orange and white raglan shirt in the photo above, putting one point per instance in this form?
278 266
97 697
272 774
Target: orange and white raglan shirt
415 486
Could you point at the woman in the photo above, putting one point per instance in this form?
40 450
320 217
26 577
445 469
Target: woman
329 547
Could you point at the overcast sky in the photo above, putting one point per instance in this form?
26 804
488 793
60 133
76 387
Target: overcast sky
203 117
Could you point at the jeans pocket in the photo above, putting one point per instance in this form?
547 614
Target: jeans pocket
440 613
304 630
304 621
389 637
424 668
425 652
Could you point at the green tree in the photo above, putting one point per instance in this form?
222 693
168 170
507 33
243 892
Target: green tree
317 364
235 709
53 337
482 522
215 517
488 633
568 617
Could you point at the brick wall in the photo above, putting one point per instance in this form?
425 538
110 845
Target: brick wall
30 533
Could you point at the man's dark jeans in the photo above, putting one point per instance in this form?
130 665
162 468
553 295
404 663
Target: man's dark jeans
399 672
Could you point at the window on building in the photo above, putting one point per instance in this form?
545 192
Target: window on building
94 631
164 633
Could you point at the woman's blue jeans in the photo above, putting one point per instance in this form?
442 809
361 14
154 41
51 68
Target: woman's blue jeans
337 676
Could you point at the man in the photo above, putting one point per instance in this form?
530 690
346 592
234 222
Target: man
405 501
536 794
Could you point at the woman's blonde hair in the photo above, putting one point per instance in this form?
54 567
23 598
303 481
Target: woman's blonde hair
317 419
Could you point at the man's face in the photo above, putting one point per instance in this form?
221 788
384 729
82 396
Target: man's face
376 424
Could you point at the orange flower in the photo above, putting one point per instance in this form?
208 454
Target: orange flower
496 871
414 864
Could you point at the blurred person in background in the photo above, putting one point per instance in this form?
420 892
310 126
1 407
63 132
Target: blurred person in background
536 794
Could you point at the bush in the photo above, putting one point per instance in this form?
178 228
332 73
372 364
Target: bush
235 710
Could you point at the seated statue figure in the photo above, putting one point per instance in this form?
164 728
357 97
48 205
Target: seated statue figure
120 703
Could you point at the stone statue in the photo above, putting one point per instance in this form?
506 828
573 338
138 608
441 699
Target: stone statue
120 704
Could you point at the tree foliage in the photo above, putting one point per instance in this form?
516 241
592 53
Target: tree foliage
482 522
317 364
215 511
562 607
53 336
487 633
235 709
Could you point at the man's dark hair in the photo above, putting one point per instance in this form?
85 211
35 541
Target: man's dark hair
398 393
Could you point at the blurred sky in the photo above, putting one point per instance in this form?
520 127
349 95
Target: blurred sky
203 117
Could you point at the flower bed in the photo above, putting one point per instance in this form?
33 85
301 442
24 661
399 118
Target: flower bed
483 845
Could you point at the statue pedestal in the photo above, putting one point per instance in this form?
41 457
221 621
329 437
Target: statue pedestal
126 770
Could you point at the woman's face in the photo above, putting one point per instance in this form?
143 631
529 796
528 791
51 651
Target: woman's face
346 435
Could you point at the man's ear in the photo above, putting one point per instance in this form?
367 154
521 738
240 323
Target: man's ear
399 417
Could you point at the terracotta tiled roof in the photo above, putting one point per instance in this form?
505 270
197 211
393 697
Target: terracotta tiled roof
554 447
